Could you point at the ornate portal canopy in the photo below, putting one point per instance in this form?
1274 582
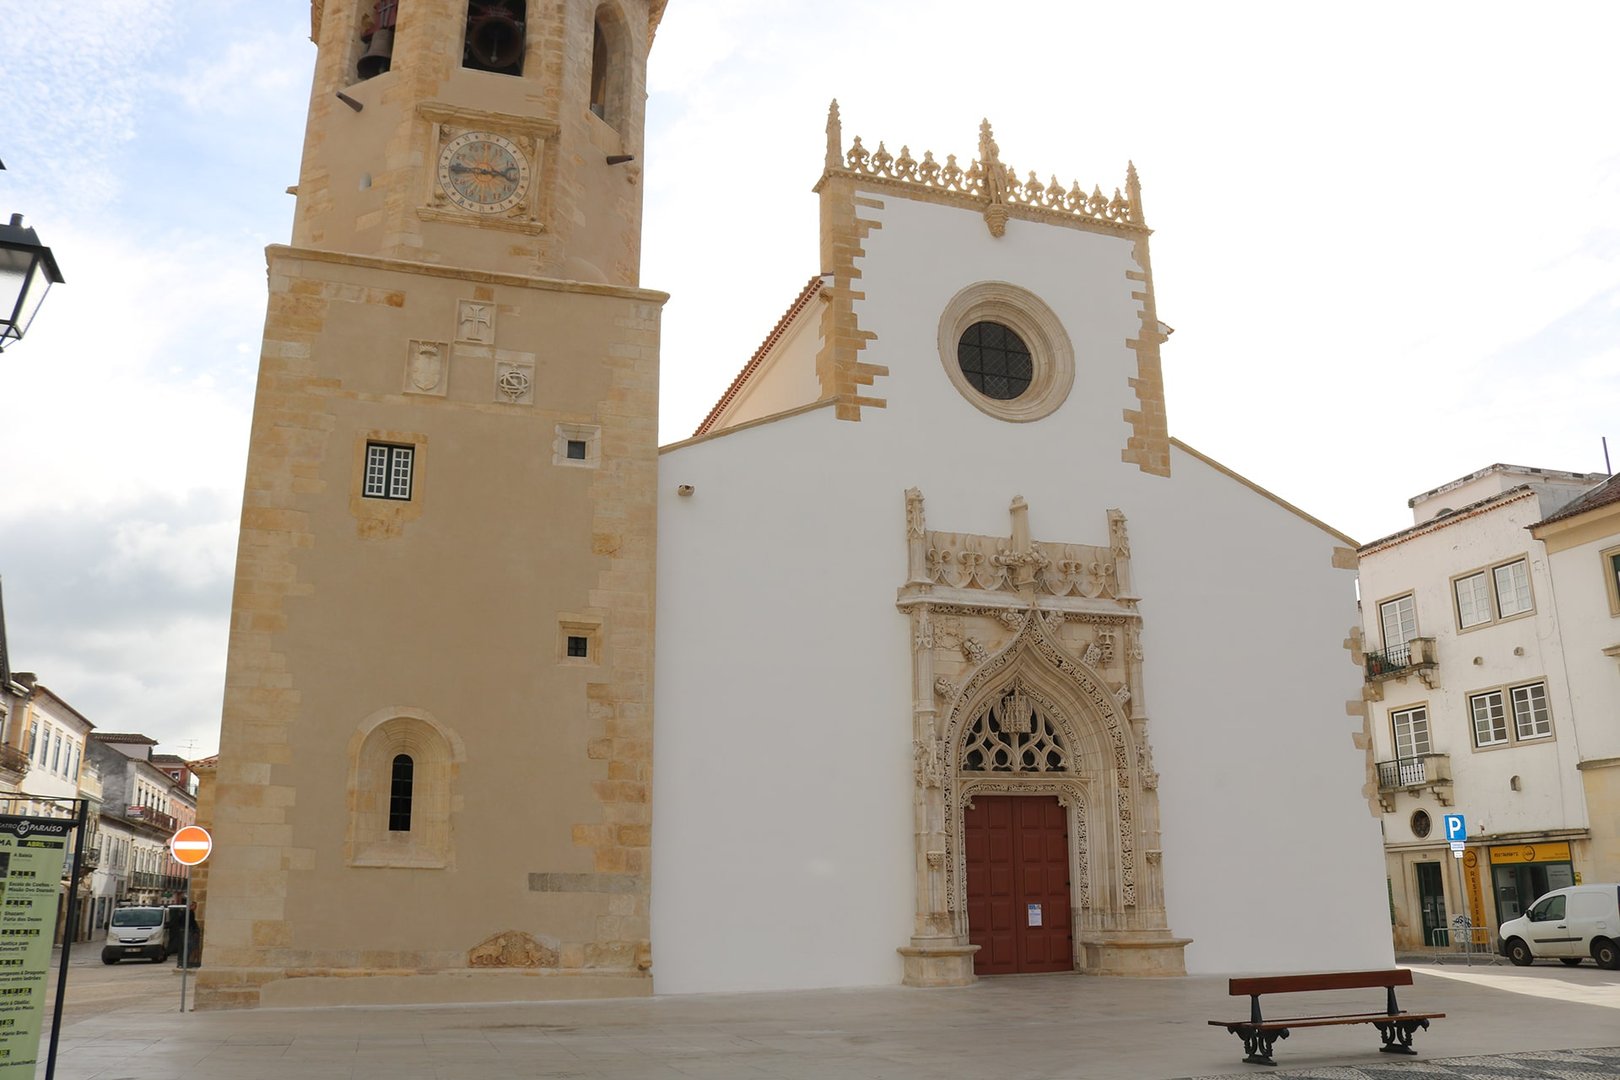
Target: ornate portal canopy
1027 680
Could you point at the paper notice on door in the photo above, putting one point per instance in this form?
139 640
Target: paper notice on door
1034 914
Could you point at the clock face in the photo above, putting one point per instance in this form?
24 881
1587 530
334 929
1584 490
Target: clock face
482 172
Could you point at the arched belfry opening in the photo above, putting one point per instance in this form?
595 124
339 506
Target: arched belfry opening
494 41
1037 838
609 66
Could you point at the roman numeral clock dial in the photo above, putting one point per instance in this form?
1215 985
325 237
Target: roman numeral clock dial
483 172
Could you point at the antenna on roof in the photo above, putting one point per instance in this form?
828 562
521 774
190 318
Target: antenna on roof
1606 456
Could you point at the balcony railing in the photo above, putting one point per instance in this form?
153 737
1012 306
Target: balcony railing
1432 771
90 858
1415 657
156 818
13 760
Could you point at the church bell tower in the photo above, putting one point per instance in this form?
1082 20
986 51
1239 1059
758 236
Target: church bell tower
436 745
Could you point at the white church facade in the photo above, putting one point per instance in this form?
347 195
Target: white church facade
931 656
964 664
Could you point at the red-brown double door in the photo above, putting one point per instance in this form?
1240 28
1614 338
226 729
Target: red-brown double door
1018 884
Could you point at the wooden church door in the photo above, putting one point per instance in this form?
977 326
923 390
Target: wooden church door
1017 849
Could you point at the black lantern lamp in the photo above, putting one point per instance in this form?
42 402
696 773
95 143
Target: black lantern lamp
27 272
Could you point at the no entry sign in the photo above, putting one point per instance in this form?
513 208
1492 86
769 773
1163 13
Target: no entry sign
191 845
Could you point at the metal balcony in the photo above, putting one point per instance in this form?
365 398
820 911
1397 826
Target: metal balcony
90 858
1415 657
155 818
1431 771
13 760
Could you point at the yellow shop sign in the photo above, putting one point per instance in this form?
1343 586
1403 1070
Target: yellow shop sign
1527 853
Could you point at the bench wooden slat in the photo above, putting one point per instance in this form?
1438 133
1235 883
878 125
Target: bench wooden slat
1326 1021
1329 980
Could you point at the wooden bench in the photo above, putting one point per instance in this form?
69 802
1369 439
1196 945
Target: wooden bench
1258 1034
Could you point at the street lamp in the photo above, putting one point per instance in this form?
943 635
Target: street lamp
27 271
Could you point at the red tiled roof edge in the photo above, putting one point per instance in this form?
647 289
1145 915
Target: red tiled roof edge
1601 495
810 289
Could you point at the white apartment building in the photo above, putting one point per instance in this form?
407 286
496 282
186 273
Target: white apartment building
1470 703
1582 542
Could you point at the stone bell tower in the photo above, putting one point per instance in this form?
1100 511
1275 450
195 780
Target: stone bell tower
436 743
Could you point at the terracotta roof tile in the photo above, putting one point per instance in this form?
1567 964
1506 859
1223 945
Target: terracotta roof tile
811 288
1604 494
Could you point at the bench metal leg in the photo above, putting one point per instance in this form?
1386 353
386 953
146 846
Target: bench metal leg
1397 1035
1258 1043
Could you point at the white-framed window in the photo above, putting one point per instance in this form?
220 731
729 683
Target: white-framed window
1611 578
388 471
1531 720
1411 731
1527 702
1399 620
1493 593
1490 718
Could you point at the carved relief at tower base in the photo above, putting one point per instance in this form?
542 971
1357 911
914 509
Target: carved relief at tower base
938 964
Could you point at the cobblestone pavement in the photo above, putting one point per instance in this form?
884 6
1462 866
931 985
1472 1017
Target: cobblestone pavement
1536 1065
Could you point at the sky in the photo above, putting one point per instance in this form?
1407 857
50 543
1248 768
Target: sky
1387 237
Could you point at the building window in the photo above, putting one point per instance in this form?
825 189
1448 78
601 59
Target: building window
1399 619
1006 351
399 794
609 66
388 471
1421 824
1490 719
995 360
1512 588
1411 732
578 646
1532 719
1611 575
1490 594
494 36
577 446
576 449
56 752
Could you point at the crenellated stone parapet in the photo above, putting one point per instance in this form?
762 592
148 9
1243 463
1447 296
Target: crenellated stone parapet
988 184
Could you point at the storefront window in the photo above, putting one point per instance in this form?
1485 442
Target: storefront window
1521 873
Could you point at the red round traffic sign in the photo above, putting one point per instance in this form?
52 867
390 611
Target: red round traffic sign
191 845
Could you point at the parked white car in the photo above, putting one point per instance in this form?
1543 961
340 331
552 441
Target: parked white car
1571 924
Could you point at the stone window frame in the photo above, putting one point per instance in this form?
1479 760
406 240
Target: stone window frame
1395 730
1051 352
585 626
1383 628
589 434
436 752
1610 558
1487 573
1510 716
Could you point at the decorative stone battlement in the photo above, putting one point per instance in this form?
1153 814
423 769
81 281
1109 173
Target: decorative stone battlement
988 183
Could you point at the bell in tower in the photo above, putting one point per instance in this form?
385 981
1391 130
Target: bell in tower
435 760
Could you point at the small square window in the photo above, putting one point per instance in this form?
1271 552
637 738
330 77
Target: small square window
576 449
579 640
578 446
388 471
578 646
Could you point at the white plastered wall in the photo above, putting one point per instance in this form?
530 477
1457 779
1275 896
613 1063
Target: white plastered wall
782 840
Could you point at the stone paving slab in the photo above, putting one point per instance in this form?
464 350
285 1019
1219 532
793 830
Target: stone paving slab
1045 1027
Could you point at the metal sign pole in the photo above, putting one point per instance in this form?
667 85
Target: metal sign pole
67 937
185 944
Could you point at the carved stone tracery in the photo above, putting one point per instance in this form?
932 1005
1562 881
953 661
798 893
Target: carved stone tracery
1040 703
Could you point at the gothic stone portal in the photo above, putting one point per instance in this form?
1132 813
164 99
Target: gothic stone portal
1027 669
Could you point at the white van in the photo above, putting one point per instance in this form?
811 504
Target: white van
1570 924
137 931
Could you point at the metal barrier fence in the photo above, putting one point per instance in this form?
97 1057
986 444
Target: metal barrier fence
1465 940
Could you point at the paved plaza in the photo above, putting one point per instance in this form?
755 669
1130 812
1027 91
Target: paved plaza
1502 1022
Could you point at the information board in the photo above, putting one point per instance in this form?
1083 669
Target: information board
33 851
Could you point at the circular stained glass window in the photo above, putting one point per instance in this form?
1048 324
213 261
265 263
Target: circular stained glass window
995 360
1421 824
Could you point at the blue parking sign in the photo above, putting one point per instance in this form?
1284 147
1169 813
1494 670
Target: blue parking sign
1455 827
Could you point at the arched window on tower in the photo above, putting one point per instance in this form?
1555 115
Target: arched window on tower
399 794
608 65
495 32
